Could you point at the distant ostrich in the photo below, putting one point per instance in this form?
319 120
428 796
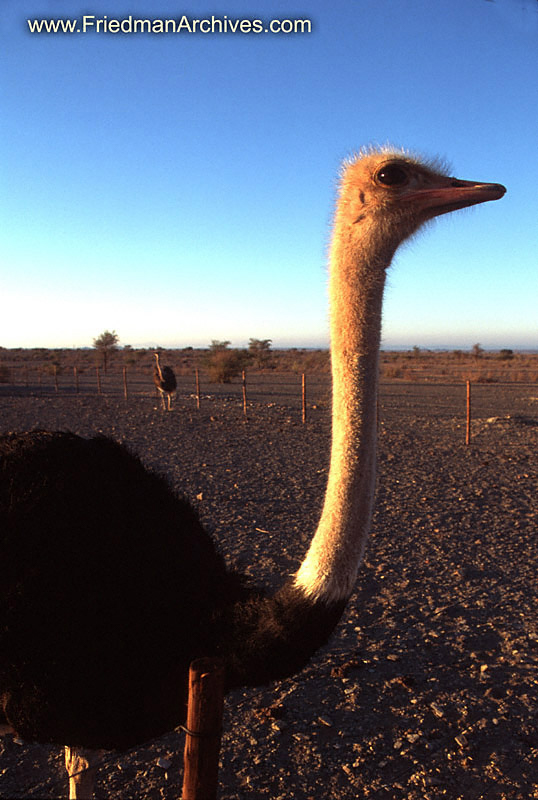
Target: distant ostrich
111 587
165 381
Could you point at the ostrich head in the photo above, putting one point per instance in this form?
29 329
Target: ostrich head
386 196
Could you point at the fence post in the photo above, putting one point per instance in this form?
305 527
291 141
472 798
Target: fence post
125 383
304 396
75 373
468 427
244 384
80 765
98 380
197 376
56 379
203 729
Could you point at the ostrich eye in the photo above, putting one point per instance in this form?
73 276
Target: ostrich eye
392 175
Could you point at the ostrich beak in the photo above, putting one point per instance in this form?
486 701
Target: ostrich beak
452 195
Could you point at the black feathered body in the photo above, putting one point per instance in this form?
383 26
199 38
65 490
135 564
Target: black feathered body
165 379
111 587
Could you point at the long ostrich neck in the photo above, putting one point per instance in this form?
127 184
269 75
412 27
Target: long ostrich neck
159 368
276 637
357 278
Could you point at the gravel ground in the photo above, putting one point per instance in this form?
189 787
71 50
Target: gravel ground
428 689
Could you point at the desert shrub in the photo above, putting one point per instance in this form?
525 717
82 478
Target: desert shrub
53 369
525 376
393 372
224 364
219 344
260 352
309 361
506 354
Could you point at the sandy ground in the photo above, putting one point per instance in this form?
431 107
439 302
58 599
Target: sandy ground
429 687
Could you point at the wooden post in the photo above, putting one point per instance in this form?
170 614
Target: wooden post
304 397
197 376
75 374
204 729
468 427
244 383
98 380
125 383
81 765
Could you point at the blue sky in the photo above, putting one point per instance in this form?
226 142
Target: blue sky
179 188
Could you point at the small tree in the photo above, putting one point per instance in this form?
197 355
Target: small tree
105 344
216 345
224 364
260 351
477 350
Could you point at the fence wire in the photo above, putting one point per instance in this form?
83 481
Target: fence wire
396 398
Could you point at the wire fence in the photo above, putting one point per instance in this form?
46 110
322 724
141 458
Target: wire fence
446 401
291 390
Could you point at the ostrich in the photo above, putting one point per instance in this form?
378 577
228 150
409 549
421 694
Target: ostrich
111 587
165 381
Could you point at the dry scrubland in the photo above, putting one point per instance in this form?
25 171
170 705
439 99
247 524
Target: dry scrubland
31 365
428 689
